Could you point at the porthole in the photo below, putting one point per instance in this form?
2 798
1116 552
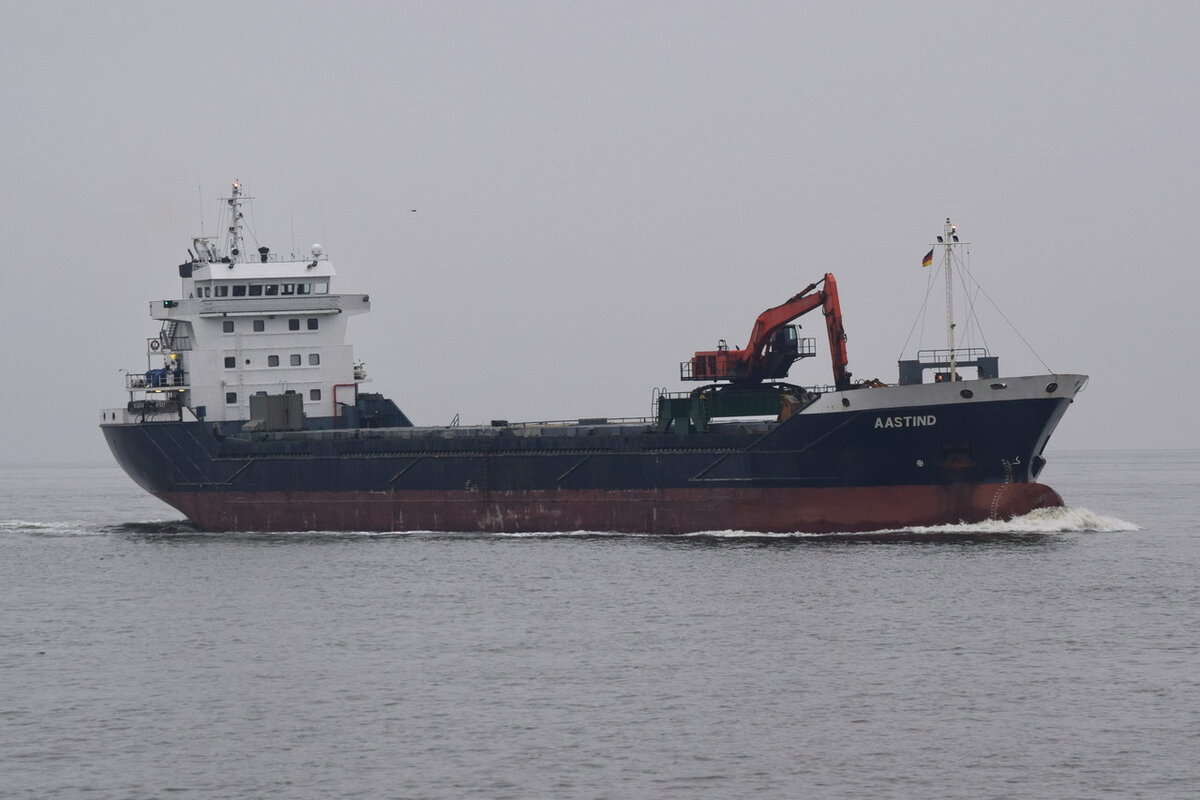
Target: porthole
846 402
967 394
1051 387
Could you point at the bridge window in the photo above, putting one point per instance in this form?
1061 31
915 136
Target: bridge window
289 288
303 288
272 289
220 291
256 290
239 291
321 288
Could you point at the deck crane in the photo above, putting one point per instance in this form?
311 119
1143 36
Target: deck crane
774 345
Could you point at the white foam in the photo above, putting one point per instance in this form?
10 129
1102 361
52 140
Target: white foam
733 534
71 528
20 524
1042 520
555 534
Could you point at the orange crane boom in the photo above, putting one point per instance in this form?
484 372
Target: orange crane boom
773 344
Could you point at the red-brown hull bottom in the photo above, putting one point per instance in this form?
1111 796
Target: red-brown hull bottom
671 511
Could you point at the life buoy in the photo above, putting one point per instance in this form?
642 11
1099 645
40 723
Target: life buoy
154 344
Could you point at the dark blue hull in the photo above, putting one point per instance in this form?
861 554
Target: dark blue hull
840 470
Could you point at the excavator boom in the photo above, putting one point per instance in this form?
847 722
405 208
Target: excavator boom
772 348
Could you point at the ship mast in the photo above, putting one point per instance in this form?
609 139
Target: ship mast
950 240
235 221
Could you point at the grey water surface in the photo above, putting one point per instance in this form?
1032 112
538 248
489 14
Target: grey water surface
1056 656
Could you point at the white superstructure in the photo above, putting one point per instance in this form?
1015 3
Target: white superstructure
247 324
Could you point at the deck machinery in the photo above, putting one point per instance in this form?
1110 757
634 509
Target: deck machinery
748 389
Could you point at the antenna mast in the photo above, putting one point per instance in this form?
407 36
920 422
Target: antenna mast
950 240
235 222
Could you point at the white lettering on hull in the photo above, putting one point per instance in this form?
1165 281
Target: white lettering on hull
912 421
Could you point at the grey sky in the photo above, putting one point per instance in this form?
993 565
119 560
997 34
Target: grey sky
603 188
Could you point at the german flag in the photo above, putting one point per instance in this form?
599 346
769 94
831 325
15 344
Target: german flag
928 259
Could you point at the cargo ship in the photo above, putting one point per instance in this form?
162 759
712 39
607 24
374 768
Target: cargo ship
251 415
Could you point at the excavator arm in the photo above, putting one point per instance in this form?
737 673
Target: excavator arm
766 355
832 308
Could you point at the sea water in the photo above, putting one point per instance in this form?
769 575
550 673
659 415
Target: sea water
1055 656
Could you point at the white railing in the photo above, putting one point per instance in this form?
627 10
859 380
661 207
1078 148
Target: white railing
292 302
155 380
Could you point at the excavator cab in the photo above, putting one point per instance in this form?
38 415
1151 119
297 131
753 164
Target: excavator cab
784 348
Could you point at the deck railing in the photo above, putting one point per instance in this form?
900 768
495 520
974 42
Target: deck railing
155 379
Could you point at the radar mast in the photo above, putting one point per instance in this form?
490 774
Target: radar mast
949 241
235 222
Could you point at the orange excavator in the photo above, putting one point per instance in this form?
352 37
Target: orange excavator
774 345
